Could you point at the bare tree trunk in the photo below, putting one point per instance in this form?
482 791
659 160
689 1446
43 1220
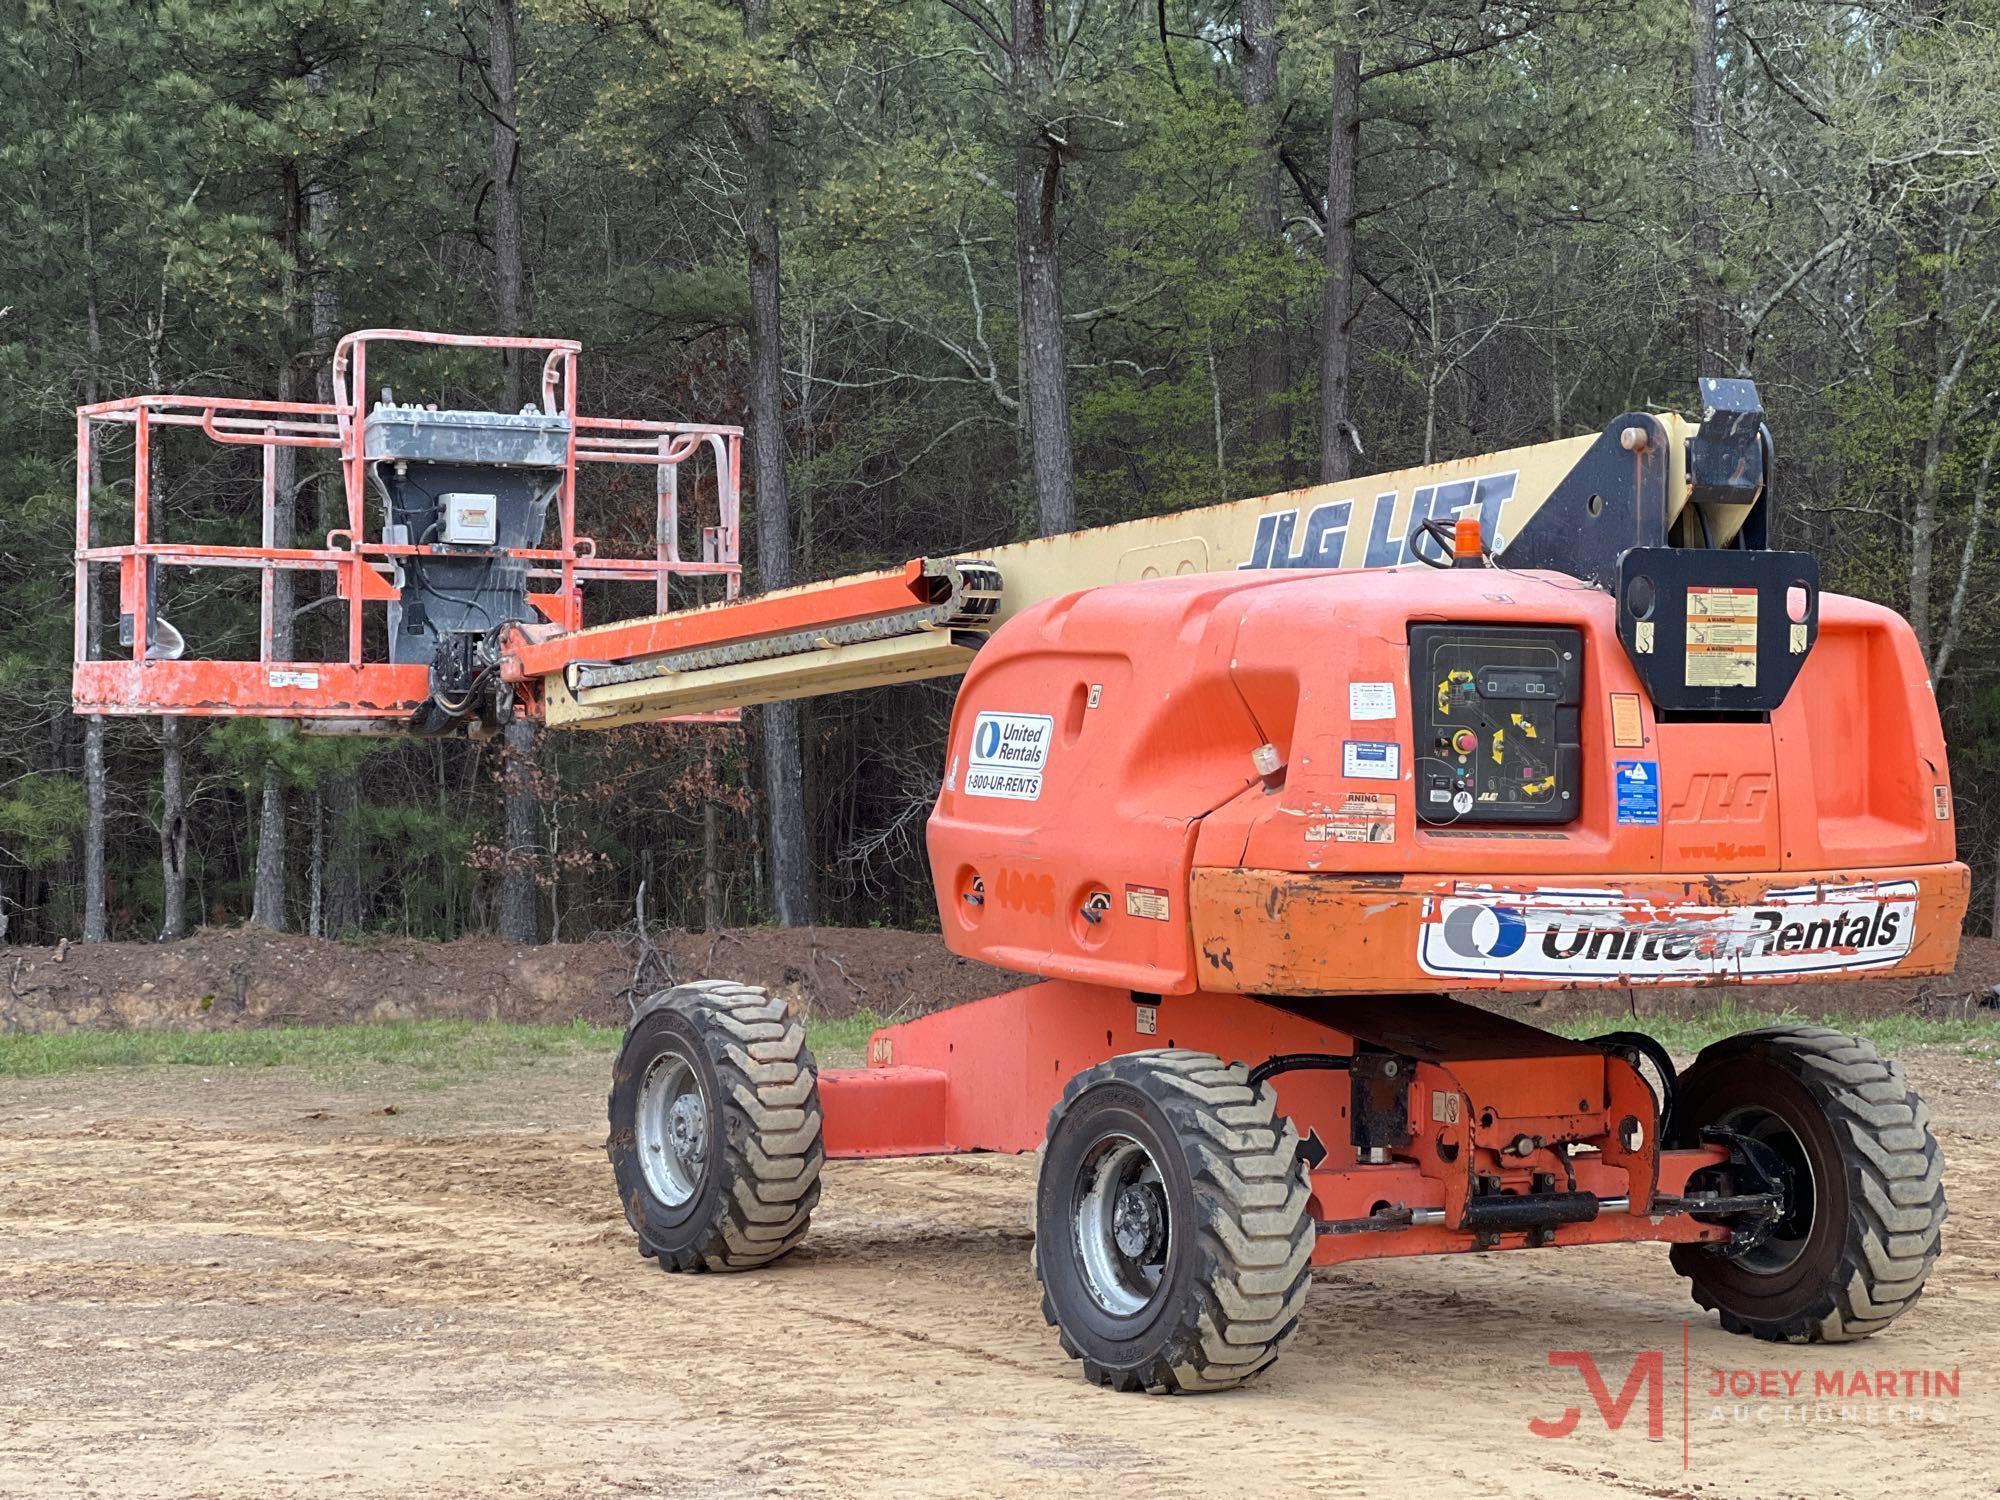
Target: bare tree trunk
173 797
267 897
518 922
784 790
755 862
1949 371
1708 315
316 872
711 873
1045 345
343 904
310 210
1337 433
503 80
173 833
95 928
1264 344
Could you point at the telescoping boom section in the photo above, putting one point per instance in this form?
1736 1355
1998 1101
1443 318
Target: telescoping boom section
1573 503
1256 798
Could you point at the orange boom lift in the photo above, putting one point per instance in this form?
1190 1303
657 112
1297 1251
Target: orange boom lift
1249 794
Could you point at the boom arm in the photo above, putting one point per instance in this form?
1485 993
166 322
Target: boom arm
1573 504
461 608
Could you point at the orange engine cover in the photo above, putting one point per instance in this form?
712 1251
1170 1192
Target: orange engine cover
1109 813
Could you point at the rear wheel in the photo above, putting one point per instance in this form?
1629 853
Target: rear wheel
715 1128
1865 1196
1172 1239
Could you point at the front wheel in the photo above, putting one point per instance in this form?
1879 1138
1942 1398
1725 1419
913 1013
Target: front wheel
1172 1238
1865 1193
715 1128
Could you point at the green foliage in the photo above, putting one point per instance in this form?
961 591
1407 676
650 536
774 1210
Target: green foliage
183 182
420 853
683 302
39 814
246 747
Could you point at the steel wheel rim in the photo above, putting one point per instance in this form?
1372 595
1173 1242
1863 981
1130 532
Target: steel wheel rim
1790 1235
1122 1225
672 1129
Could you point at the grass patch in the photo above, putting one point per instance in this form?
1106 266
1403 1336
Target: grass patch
448 1050
1978 1036
440 1047
842 1044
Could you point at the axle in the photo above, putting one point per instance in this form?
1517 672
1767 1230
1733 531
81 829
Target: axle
1426 1125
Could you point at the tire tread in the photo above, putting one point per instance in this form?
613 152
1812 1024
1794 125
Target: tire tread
769 1084
1895 1180
1254 1238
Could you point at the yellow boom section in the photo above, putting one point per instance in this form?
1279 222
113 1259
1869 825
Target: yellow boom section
927 618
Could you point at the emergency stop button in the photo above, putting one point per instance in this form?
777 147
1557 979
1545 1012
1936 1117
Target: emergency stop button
1465 742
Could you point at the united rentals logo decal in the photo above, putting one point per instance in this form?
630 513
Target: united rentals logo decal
1568 935
1009 754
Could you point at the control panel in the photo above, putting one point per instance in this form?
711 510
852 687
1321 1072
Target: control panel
1496 722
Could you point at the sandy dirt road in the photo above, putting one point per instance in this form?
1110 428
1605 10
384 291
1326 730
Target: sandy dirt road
256 1285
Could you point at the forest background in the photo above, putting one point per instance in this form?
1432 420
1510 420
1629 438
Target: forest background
968 271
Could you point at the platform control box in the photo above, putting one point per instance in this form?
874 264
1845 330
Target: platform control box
1495 723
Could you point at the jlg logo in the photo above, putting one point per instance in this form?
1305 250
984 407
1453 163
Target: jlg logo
1025 891
1723 797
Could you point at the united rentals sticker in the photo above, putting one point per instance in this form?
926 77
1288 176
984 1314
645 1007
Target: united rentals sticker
1009 753
1596 934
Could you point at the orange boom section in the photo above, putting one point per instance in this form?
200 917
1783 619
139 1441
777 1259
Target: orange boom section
1214 783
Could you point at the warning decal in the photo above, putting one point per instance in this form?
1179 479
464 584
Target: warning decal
1721 637
1361 818
1009 753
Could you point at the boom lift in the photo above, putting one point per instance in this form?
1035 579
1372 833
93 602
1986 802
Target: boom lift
1250 793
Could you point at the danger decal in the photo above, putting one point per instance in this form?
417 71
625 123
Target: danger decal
1009 753
1571 935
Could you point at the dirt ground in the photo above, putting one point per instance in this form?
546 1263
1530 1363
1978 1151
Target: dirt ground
225 978
257 1285
234 977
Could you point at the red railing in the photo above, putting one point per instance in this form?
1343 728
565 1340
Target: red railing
352 686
